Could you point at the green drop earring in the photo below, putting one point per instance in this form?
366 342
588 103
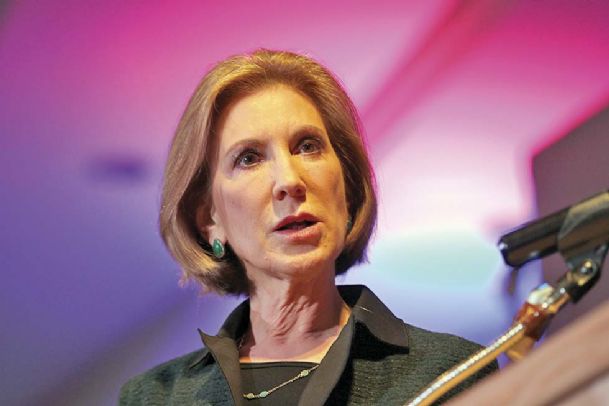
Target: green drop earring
218 249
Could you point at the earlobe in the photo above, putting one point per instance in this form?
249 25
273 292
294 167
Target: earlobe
215 233
209 225
214 230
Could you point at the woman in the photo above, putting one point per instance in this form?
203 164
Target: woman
269 193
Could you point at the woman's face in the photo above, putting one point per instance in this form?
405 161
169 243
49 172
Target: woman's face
278 192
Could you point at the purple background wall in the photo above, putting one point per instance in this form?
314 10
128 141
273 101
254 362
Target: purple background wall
456 96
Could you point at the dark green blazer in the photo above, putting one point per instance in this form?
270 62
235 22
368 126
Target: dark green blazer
376 360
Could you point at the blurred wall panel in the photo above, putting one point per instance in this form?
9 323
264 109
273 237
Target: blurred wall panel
571 169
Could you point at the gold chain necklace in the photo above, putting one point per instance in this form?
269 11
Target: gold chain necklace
265 393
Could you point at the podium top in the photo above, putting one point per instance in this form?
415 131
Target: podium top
569 368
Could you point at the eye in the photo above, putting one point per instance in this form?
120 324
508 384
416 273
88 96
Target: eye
247 159
309 146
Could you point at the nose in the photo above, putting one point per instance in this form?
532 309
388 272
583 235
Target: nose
288 181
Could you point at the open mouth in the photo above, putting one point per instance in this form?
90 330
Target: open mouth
297 225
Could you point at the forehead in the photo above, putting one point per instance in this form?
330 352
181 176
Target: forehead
268 111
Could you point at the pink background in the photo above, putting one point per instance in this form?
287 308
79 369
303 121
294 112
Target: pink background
456 97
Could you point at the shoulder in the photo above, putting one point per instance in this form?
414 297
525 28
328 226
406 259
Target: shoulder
440 349
427 343
435 353
159 383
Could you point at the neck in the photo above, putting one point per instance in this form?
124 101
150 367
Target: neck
291 320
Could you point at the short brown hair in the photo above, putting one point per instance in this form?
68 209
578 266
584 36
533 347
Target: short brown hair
187 179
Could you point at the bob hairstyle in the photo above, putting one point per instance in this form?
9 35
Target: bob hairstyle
186 195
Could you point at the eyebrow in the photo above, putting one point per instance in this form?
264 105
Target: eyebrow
309 128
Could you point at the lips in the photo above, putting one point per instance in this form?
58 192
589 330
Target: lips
297 222
296 226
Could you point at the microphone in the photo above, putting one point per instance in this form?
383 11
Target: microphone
578 229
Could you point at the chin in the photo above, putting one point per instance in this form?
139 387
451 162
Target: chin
296 260
306 262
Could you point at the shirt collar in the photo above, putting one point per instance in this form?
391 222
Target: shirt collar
366 308
234 326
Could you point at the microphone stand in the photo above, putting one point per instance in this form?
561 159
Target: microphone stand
583 241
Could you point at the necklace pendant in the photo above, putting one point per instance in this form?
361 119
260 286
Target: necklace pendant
249 395
263 394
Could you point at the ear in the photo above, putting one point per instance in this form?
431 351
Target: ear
209 224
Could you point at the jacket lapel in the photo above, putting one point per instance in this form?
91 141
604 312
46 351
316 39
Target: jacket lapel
225 353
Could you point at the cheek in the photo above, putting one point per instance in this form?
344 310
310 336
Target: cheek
239 207
338 186
230 207
330 190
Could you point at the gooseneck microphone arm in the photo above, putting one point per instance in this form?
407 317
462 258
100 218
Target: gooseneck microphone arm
581 234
